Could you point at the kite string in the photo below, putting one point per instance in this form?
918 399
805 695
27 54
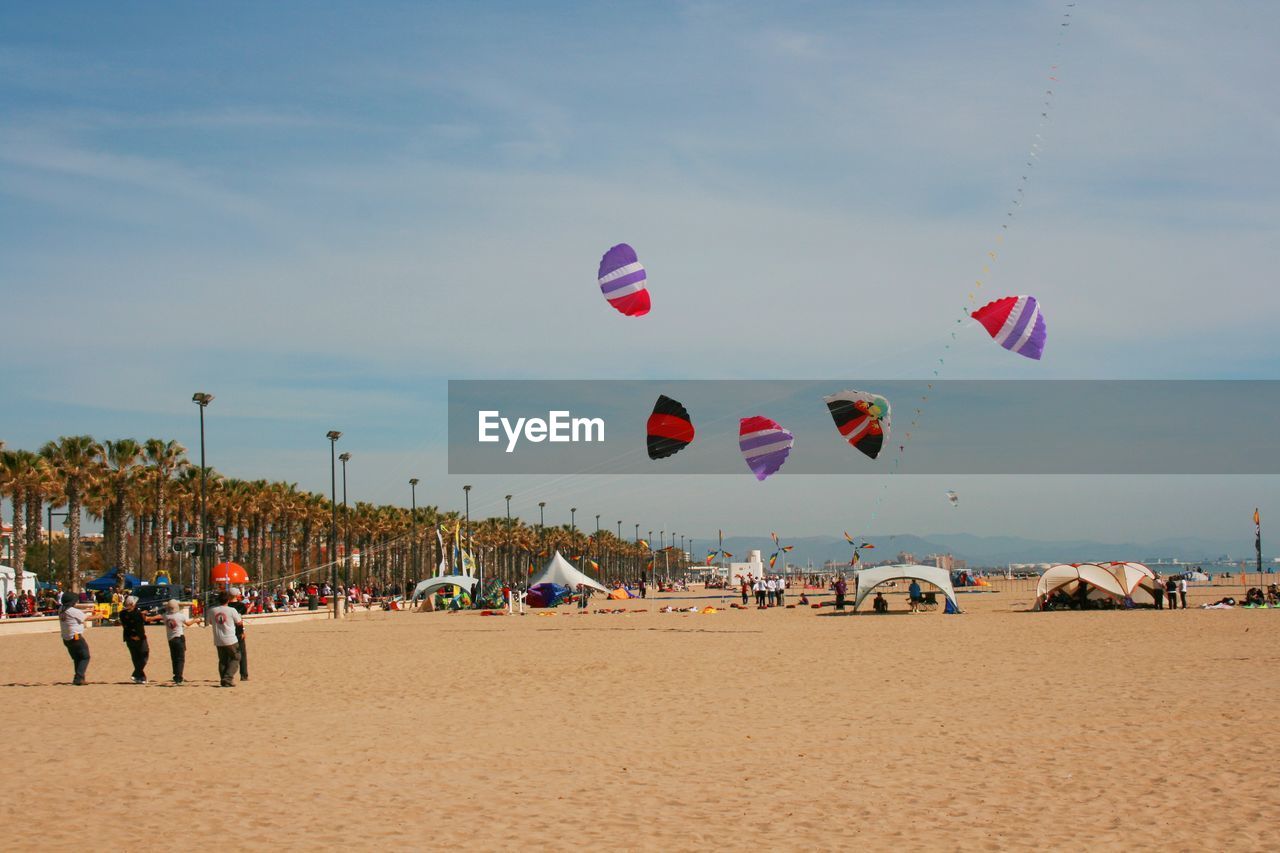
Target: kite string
1014 206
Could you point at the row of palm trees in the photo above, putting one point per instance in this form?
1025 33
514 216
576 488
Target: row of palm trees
147 497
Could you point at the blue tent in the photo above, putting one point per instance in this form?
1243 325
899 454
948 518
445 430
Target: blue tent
111 580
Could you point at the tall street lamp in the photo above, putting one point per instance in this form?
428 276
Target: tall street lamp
466 497
597 545
573 527
344 458
48 530
509 574
333 435
203 400
542 527
413 526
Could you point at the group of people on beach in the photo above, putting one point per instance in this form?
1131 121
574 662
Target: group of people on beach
769 590
225 618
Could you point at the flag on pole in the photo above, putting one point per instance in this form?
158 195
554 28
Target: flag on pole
443 568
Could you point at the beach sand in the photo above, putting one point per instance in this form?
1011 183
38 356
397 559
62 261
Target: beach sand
771 730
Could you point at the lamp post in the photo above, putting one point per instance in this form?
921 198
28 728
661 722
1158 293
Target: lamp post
202 400
638 543
542 526
573 526
509 574
333 435
413 527
344 458
479 587
48 529
596 548
653 558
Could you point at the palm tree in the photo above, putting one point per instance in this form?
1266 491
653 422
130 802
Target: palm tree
75 461
15 466
166 458
120 463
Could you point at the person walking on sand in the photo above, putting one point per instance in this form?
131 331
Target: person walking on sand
224 620
237 604
1157 592
1182 591
71 621
134 626
915 596
841 587
1171 592
744 585
175 630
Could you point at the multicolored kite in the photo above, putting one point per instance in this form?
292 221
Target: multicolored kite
1016 324
781 549
669 429
857 548
862 418
765 445
622 280
719 550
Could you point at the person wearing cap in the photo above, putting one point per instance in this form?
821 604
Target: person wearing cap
134 626
71 620
175 630
224 620
237 604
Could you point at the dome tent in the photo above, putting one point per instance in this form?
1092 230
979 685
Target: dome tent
867 580
558 570
1069 577
426 587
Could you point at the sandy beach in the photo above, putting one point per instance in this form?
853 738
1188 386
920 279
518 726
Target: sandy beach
782 729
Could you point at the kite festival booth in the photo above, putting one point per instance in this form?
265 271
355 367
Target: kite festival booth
560 571
866 580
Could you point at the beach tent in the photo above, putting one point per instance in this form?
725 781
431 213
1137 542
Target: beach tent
546 594
558 570
866 580
1068 577
9 581
111 580
431 585
1135 579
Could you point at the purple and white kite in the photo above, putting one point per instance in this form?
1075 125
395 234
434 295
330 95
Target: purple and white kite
1015 322
622 279
764 444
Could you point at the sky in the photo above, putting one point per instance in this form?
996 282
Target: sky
321 213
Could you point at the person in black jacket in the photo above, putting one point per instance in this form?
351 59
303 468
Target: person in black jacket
135 637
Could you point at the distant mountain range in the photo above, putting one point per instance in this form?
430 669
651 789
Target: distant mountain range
988 550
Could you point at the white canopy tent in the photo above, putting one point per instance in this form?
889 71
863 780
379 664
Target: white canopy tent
427 587
9 581
561 571
867 580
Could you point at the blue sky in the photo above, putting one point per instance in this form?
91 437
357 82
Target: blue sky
322 212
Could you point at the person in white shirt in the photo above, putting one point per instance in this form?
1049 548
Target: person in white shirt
224 620
1182 591
71 621
175 629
